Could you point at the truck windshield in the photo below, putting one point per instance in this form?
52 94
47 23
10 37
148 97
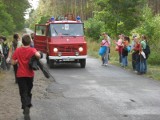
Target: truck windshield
66 29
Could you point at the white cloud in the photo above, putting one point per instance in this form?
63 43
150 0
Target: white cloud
34 4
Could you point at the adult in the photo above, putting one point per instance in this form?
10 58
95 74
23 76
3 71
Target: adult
134 52
119 47
137 52
144 44
32 40
15 44
1 42
105 42
25 75
1 53
5 47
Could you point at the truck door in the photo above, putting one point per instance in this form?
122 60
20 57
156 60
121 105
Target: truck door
40 38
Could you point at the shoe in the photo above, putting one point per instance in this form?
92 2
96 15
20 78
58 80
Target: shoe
136 71
26 113
139 73
105 64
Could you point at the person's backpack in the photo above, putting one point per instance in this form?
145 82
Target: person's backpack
147 51
5 50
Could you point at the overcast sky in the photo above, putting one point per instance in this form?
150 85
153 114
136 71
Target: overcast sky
34 4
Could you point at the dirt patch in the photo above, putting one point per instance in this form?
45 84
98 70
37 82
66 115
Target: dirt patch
10 105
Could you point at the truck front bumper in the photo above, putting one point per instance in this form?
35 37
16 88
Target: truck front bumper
67 58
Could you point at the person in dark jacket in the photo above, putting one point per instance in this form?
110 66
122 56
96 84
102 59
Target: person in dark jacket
125 51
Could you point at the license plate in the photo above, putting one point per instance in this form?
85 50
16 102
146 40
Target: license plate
68 59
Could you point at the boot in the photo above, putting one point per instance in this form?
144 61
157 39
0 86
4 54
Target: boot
26 113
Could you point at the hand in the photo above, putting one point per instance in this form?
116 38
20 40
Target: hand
2 55
41 54
8 60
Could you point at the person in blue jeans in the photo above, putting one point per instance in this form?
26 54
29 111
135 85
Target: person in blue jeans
141 63
125 51
105 42
143 45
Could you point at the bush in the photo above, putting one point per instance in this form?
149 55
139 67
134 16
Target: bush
94 28
151 28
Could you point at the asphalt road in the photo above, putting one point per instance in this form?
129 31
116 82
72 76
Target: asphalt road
98 93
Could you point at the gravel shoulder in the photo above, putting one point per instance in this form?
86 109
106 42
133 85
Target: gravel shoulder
10 104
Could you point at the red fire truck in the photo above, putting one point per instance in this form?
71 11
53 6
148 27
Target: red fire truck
62 41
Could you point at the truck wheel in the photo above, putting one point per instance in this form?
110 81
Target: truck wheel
51 63
47 59
83 63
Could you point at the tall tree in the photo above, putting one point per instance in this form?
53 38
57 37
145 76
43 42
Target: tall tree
155 5
120 16
6 21
17 9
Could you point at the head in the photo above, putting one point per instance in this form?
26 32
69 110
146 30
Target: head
4 38
32 36
104 35
126 38
121 36
1 40
144 37
136 39
134 36
26 40
16 36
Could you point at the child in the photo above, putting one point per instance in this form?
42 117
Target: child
125 51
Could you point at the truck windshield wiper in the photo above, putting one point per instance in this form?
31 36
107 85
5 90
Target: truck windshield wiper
55 31
65 34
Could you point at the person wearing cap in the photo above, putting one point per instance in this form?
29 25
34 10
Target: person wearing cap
25 75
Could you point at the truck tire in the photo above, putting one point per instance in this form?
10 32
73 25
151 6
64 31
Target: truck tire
51 63
47 59
83 63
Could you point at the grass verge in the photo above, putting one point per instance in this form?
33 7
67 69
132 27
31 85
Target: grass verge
93 48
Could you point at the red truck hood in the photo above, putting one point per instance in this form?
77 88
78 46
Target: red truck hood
67 40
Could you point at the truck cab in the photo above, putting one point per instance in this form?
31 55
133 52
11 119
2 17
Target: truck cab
62 41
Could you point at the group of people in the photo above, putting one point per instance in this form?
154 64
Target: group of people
19 54
140 54
137 47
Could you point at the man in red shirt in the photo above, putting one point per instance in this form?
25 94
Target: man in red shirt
24 74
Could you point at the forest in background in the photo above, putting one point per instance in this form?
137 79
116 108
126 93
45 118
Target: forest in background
112 16
12 14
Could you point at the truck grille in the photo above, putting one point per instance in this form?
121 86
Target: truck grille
67 49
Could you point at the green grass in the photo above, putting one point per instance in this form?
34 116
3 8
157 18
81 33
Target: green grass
93 47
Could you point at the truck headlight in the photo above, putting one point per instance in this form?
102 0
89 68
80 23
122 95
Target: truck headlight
80 49
55 50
